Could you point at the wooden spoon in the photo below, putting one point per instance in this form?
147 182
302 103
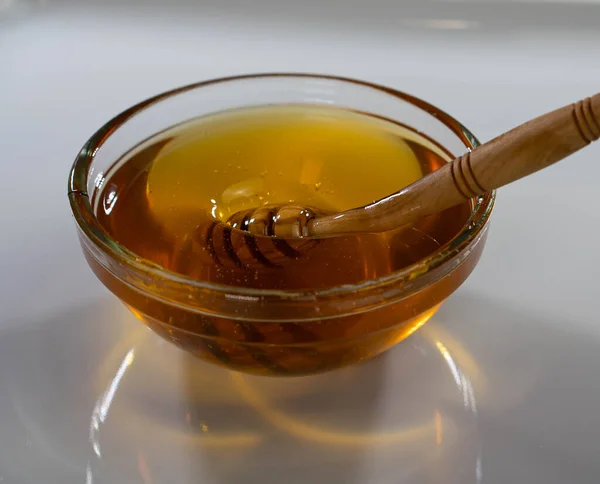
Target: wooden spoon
522 151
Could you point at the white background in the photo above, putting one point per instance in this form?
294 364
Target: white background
527 319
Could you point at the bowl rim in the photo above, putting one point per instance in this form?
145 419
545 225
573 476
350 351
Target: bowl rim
88 224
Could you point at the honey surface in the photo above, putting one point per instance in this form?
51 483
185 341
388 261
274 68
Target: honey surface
167 200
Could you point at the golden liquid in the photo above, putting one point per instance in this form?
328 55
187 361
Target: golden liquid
168 199
161 201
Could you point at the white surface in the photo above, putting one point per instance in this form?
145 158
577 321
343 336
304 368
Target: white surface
501 386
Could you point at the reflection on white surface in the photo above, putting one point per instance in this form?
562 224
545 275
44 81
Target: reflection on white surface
107 398
89 479
102 407
306 430
412 423
442 24
6 4
462 382
172 415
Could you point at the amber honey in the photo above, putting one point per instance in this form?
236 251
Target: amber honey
168 201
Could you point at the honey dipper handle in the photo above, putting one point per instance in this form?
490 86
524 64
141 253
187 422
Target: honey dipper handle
515 154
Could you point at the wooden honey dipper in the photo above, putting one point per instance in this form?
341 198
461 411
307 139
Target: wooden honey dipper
292 230
515 154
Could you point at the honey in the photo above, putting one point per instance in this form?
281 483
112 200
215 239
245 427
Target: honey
160 200
168 201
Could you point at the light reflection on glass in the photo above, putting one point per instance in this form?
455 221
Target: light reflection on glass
99 180
109 202
317 100
241 297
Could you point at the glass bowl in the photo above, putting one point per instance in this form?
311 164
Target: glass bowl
274 332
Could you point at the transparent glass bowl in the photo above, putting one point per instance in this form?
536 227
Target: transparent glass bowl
273 332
